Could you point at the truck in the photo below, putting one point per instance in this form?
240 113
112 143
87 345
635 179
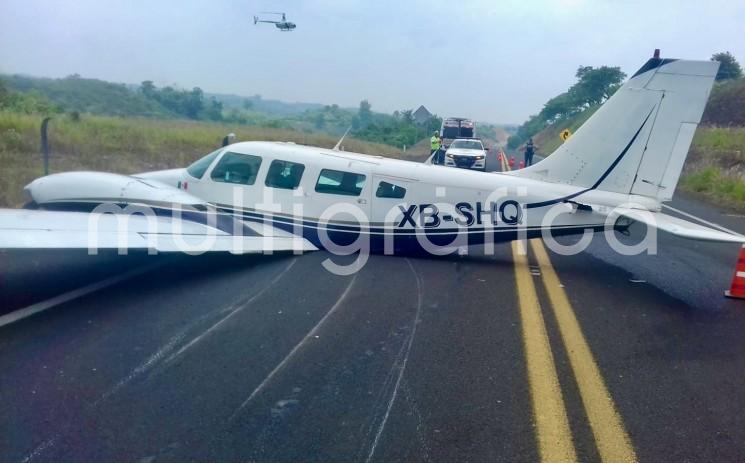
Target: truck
456 127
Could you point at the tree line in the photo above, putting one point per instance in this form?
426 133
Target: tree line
76 95
398 129
594 86
187 103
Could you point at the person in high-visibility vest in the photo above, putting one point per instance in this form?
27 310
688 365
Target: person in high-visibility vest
434 143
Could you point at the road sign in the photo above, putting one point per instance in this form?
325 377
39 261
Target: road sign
565 134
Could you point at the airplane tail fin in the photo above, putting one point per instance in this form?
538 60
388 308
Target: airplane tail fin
256 20
637 142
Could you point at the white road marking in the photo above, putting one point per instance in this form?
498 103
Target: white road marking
33 309
231 313
403 364
711 224
284 361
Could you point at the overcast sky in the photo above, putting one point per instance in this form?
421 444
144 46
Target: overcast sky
495 60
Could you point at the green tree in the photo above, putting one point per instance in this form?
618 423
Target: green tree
4 95
595 85
559 107
148 88
213 112
729 68
194 103
365 113
319 121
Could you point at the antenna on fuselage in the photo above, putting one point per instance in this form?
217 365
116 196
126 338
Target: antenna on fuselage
338 144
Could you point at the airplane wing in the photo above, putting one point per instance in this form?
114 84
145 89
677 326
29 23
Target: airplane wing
679 227
192 233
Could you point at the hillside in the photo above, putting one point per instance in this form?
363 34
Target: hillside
94 96
268 106
548 139
75 94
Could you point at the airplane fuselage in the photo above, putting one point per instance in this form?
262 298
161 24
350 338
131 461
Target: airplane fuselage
393 202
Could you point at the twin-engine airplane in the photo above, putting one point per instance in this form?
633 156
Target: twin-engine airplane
254 197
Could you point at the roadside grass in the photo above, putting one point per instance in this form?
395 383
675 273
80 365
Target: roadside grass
713 183
130 145
548 139
715 167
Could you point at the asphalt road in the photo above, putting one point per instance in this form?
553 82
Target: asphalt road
274 359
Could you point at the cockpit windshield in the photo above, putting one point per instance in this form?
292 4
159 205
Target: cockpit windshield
199 167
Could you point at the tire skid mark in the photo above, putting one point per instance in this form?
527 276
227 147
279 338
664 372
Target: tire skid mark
173 342
149 363
420 431
155 359
399 364
41 448
235 309
295 349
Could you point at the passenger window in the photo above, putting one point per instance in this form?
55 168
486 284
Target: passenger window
340 183
199 167
284 174
389 190
237 168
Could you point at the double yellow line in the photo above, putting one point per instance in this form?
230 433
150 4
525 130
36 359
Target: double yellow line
554 435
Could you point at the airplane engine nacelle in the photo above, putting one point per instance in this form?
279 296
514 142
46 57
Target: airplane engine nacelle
99 187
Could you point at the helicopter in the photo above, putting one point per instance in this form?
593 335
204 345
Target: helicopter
283 25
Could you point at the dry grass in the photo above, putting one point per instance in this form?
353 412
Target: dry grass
126 146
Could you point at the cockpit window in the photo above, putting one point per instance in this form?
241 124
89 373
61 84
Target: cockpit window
389 190
284 174
340 183
237 168
199 167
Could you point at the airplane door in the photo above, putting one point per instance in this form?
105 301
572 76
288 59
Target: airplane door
387 194
338 196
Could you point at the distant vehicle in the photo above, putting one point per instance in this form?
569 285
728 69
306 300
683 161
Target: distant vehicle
466 153
284 25
456 127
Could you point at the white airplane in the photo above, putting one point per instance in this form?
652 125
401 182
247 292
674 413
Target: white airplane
254 197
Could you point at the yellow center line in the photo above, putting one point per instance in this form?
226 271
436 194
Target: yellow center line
614 444
554 436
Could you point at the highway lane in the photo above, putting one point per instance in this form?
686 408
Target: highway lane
114 384
271 358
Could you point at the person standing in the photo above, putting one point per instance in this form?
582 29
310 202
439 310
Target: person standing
434 144
529 152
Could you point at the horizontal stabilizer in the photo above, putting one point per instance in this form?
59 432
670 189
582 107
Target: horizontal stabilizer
679 227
